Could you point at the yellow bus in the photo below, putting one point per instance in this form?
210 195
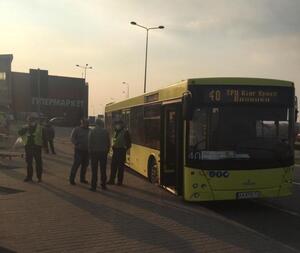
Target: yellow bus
213 138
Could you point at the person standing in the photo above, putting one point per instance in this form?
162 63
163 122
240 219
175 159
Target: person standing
121 143
49 137
79 138
32 137
99 145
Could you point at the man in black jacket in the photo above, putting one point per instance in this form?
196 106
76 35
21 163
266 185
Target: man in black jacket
99 144
79 138
49 134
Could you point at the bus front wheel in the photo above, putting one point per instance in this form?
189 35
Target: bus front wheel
153 171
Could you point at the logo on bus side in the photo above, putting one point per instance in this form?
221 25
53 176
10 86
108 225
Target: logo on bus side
219 173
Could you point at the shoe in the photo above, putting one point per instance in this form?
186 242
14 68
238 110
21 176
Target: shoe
84 181
110 182
92 189
120 184
72 183
27 179
103 187
40 180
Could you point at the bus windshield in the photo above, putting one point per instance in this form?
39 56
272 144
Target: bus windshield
240 137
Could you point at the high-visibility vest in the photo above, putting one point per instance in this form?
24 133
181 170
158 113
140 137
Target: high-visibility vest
37 136
119 141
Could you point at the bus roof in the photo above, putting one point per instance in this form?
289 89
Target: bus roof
240 81
171 92
176 90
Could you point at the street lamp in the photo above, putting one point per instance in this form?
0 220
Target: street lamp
127 88
85 68
147 29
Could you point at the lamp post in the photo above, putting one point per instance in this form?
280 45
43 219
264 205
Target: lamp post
146 56
85 68
127 88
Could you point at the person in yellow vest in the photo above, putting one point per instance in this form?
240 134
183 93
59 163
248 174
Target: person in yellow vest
121 143
32 138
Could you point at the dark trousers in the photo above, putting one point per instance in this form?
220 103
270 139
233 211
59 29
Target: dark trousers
96 159
117 164
34 152
81 157
47 144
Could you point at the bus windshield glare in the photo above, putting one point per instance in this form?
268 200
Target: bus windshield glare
235 137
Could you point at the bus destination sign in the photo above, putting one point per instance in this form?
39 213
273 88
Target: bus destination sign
246 95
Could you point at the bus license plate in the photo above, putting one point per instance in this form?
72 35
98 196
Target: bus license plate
247 195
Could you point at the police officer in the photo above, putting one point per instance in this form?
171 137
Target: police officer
121 143
32 138
79 138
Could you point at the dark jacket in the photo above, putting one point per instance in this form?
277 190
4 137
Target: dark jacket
49 132
79 138
99 140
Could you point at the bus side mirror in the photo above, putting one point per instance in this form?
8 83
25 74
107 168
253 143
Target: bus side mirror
187 106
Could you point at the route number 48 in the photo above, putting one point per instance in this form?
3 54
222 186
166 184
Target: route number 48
215 95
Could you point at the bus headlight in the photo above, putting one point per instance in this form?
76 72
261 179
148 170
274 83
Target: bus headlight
195 186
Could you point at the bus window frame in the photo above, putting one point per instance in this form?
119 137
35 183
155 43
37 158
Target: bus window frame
205 163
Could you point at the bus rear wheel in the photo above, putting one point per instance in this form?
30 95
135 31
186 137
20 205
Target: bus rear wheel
153 171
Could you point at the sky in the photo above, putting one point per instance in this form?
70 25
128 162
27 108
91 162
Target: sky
257 38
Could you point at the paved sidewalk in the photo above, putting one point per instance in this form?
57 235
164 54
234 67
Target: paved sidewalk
56 217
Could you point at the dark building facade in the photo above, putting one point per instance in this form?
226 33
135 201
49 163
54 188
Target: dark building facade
38 92
5 82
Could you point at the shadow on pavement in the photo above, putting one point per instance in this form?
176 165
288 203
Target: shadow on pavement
5 250
127 224
6 190
141 230
274 223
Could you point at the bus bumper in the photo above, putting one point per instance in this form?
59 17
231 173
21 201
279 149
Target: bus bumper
236 194
199 187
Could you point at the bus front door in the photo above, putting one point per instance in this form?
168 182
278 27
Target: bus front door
171 155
